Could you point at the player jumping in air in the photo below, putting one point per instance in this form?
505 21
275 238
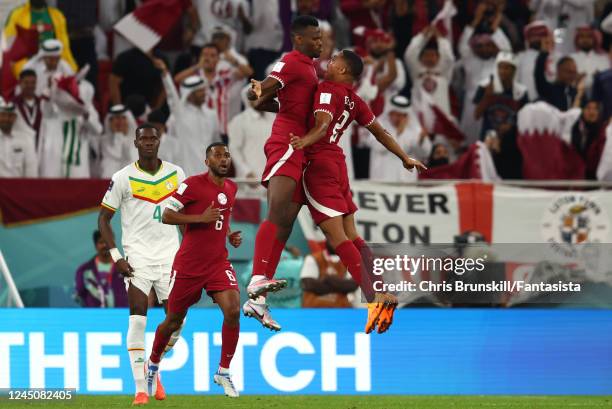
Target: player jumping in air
325 179
203 203
294 81
140 191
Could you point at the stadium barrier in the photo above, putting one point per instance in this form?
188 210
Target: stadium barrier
431 352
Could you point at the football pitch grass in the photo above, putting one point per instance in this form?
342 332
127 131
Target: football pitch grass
328 402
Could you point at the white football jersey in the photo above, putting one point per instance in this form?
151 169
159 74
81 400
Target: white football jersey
141 197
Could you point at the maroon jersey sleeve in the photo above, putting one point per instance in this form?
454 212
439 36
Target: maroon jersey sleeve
363 114
325 100
184 195
285 71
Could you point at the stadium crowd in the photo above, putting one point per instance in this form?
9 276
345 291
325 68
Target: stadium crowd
457 83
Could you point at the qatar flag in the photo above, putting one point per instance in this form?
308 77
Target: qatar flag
476 163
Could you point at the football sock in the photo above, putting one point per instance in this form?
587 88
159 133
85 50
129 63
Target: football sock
173 338
275 255
136 349
229 340
367 257
162 337
350 257
264 243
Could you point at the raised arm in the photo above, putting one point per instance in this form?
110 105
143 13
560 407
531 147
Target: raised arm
264 92
171 93
385 138
322 121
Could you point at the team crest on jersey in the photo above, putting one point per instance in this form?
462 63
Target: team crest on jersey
222 198
170 185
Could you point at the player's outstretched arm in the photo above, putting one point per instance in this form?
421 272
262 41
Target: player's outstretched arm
208 216
385 138
106 231
322 121
264 92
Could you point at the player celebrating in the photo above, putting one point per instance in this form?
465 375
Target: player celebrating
325 180
203 203
294 81
140 190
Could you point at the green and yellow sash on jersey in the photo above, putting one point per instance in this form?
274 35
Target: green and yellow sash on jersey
154 191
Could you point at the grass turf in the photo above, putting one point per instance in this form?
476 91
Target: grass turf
329 402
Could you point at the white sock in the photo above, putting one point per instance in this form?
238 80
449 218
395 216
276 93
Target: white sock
223 370
256 278
136 350
173 338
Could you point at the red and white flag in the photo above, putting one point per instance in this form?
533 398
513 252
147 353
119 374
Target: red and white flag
151 21
544 139
23 45
433 119
443 21
476 163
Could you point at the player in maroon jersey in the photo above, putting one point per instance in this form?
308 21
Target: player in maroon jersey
203 203
326 182
294 80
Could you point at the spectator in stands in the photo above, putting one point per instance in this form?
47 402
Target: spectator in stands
233 14
117 142
479 44
562 93
430 61
585 132
133 73
97 283
70 122
264 42
439 156
48 21
17 153
500 91
535 33
328 49
401 122
370 14
218 78
27 103
589 57
248 132
325 282
82 17
191 121
168 146
501 139
48 63
602 90
228 55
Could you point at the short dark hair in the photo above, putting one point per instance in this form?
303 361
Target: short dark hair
27 73
563 60
210 45
354 63
302 22
146 125
210 147
96 236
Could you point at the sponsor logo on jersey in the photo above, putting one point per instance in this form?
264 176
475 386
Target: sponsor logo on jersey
221 198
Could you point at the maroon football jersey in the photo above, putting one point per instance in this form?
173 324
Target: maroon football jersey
298 77
344 105
203 243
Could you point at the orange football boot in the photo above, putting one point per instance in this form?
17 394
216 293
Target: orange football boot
160 393
386 317
374 311
141 399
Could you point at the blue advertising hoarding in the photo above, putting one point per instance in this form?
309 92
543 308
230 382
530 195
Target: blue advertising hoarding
443 351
